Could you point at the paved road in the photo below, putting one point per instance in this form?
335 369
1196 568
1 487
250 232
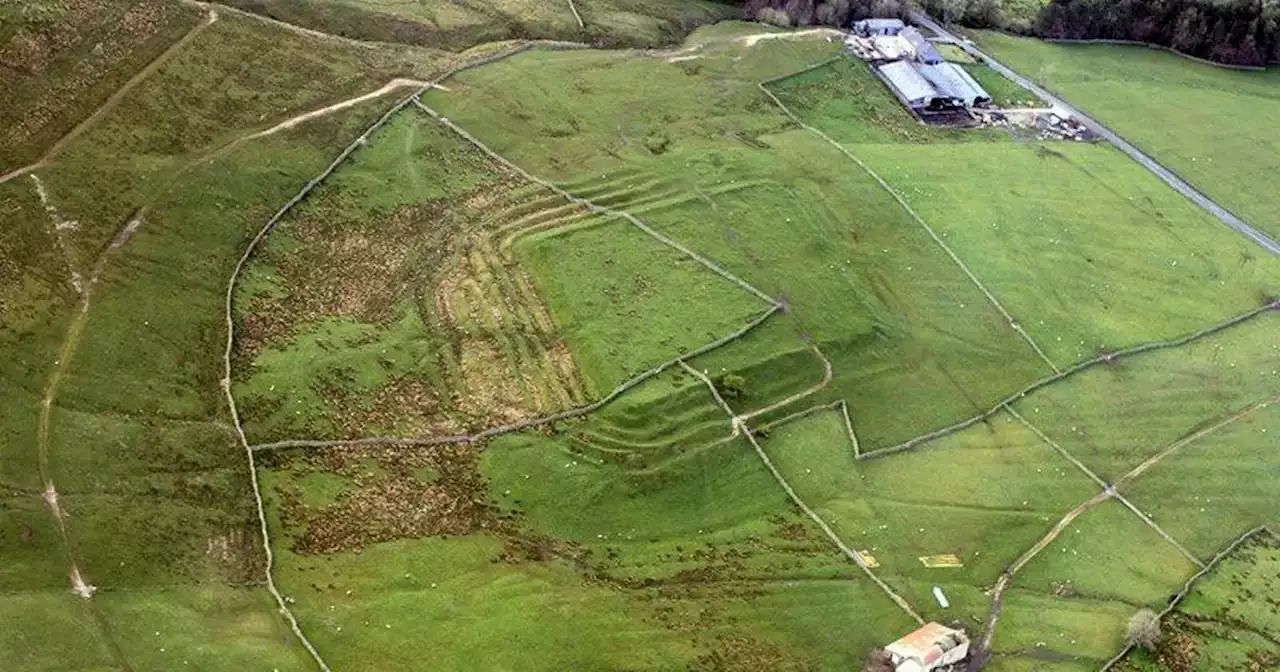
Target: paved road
1092 124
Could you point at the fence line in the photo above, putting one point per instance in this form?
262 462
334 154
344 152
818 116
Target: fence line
1070 371
527 424
1195 578
229 318
595 208
914 215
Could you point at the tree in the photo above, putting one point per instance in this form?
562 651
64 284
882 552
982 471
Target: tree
1144 629
733 386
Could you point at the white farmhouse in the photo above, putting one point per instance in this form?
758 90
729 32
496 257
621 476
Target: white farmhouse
932 647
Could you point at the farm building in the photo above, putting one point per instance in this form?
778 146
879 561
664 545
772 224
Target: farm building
910 86
932 647
923 48
892 47
952 81
877 27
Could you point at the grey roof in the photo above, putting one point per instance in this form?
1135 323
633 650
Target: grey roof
910 86
952 80
880 24
925 51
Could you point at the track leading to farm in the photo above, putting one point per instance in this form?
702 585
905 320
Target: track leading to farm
1165 175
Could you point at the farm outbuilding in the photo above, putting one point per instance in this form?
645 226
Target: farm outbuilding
909 85
932 647
923 48
875 27
952 81
893 47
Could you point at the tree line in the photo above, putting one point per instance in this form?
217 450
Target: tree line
1237 32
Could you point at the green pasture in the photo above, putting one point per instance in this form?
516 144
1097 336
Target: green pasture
1075 597
846 258
1088 251
1215 127
615 290
662 549
57 632
426 289
1199 494
1222 623
1004 488
1113 416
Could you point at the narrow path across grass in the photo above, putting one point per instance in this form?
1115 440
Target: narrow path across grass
573 7
857 559
66 353
110 104
1109 491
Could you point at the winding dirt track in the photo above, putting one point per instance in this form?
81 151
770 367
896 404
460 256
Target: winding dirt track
110 104
66 353
1109 492
398 83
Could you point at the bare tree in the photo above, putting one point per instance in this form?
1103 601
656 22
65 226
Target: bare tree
1144 629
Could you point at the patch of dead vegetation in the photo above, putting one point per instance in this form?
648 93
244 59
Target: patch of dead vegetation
738 652
405 404
499 359
389 500
490 385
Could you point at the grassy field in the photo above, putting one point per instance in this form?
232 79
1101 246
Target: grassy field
1004 488
1205 518
1167 395
63 60
425 289
1221 625
1216 128
1121 259
653 548
846 258
1075 598
454 26
152 484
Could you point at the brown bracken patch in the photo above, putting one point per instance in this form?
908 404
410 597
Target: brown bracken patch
737 652
388 501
